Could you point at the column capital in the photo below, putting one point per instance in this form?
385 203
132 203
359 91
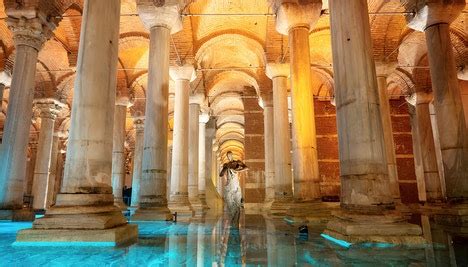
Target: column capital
204 117
430 12
161 14
384 69
48 107
274 70
420 98
291 15
266 99
123 101
61 134
29 32
5 78
186 72
198 99
139 123
33 145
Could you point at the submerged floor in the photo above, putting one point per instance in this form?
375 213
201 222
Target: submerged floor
259 241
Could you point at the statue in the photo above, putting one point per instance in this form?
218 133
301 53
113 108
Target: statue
232 190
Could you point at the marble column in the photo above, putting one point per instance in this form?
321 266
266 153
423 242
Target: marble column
367 206
118 150
434 18
196 101
161 22
279 73
383 71
202 158
29 36
5 81
296 21
85 210
179 198
424 138
139 125
49 109
53 183
28 184
268 122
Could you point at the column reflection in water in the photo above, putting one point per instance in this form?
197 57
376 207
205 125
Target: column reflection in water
192 237
176 245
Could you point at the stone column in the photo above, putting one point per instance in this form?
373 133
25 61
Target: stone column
425 145
296 21
49 109
53 183
30 173
268 121
139 124
282 140
383 71
434 18
367 204
118 150
202 158
85 210
194 147
161 22
5 81
29 36
179 198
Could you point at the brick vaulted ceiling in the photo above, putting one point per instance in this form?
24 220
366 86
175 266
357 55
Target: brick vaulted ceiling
229 42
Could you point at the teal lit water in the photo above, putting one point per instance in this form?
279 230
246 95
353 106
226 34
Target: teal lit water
258 242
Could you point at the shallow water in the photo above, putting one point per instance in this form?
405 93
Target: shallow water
258 242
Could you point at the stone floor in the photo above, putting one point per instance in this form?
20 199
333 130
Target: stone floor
258 242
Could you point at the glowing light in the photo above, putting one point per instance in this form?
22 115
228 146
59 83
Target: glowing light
339 242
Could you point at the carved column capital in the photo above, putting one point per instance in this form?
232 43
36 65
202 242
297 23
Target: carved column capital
291 15
274 70
198 99
425 13
139 124
29 32
161 13
48 108
186 72
420 98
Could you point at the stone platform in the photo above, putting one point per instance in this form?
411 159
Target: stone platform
311 212
453 216
152 214
184 210
387 228
279 208
116 236
22 215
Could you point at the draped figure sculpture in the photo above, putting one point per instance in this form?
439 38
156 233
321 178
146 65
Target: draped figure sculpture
232 190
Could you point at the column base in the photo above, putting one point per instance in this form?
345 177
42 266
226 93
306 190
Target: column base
453 216
120 204
152 214
81 218
202 198
182 207
386 228
22 215
198 208
311 212
279 208
120 235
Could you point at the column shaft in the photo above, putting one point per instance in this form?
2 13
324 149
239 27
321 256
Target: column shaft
268 120
137 160
388 137
41 188
118 154
282 137
16 129
449 110
51 192
305 159
193 148
202 159
364 173
154 166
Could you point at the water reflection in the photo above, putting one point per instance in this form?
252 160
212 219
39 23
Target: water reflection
258 241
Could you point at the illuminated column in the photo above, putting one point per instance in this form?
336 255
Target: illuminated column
118 151
193 149
268 121
161 22
139 124
49 109
30 173
424 138
85 211
179 199
365 194
282 141
29 36
382 72
434 18
296 21
202 157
